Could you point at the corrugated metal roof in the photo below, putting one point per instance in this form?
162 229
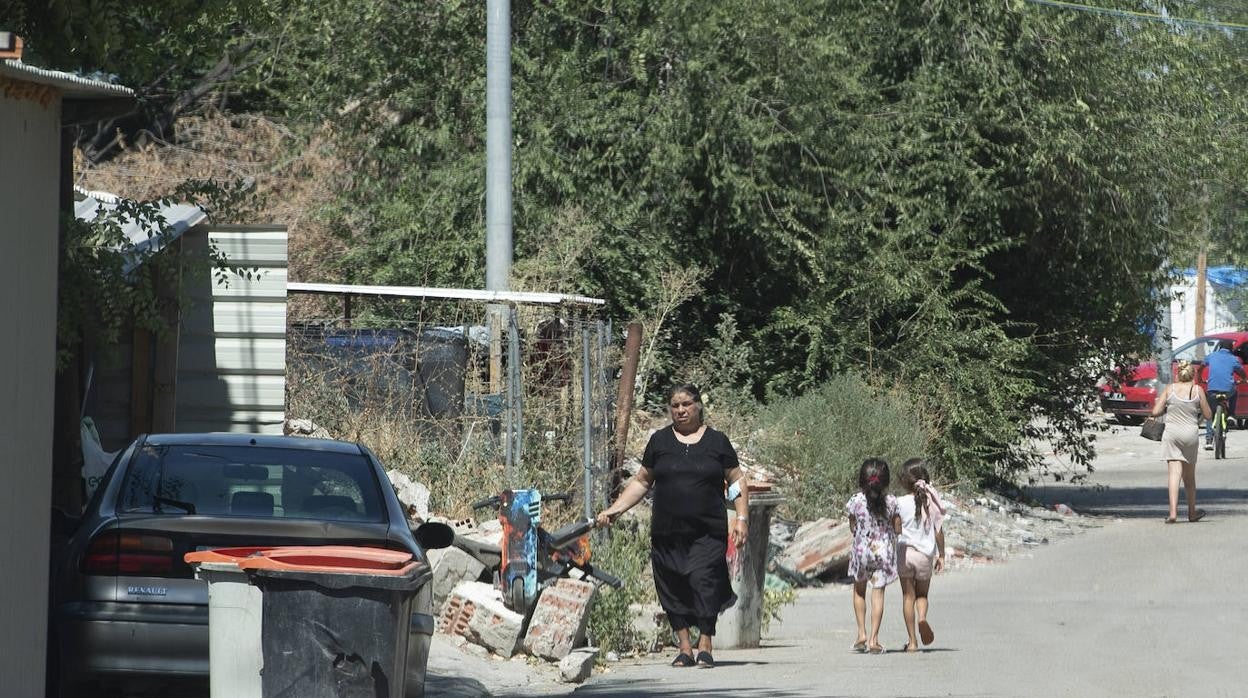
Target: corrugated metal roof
179 218
447 293
74 86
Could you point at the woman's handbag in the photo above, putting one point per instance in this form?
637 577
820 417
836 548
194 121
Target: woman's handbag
1153 428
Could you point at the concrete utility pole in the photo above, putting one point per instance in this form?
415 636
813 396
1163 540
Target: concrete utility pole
497 172
498 145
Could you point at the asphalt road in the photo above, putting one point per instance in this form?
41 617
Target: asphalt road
1133 608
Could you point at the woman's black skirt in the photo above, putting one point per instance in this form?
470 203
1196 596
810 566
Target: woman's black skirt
691 575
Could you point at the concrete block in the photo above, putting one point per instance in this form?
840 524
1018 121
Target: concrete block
649 623
559 618
450 567
475 611
818 549
413 495
578 665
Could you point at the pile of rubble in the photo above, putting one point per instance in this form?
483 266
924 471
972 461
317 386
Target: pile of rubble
470 607
980 528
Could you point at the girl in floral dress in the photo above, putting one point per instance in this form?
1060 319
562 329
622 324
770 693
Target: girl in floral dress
873 561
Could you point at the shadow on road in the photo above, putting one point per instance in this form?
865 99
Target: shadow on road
653 690
455 687
1139 502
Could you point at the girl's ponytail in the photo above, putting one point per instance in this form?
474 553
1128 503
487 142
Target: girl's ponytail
913 471
873 480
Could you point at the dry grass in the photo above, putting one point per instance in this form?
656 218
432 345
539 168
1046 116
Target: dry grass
294 177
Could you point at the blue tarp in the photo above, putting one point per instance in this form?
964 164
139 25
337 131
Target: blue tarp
1228 276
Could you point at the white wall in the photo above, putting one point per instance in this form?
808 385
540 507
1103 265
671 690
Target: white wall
1218 314
29 164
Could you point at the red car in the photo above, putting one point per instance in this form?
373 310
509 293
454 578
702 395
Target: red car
1131 400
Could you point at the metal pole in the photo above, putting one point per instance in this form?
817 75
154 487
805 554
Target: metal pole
498 178
498 145
587 423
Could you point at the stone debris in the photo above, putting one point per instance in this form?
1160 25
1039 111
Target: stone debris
818 549
305 427
578 665
450 567
982 528
557 624
649 623
475 610
412 495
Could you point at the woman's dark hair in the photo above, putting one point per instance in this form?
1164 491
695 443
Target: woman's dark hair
912 471
684 388
873 479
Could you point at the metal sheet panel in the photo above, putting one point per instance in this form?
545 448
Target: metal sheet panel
232 363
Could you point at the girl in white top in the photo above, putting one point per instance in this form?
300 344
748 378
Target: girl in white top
920 548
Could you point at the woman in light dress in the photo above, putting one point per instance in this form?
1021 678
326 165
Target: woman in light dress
1183 402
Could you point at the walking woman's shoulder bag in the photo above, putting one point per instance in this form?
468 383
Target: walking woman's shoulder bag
1153 428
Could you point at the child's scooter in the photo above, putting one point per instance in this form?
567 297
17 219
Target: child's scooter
532 557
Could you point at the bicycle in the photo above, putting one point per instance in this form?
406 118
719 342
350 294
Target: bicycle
1221 408
531 557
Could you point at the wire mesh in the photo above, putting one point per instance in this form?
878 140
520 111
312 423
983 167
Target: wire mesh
465 396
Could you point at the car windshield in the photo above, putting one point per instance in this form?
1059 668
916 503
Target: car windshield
1197 349
252 482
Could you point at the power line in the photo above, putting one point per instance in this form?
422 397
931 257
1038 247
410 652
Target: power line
1208 24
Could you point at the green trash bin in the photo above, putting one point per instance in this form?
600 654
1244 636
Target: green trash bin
741 625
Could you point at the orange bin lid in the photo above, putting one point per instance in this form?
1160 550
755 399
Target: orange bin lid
340 559
223 555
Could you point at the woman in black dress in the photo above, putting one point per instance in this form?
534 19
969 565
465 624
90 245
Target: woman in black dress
689 465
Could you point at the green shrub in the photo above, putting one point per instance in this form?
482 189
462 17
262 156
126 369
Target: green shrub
818 441
624 552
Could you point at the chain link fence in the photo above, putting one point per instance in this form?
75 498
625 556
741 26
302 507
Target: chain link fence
467 395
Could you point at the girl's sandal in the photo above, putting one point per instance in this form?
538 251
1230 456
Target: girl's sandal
875 649
683 660
1200 514
925 632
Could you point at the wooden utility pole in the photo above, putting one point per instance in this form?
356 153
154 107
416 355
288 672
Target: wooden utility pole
624 403
1202 266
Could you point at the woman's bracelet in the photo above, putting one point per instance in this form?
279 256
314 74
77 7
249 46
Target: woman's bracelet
742 517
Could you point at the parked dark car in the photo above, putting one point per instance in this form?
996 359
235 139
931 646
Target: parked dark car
126 605
1130 396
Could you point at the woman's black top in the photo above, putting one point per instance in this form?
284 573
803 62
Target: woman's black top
689 483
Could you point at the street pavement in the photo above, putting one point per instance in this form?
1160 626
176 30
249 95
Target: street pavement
1132 608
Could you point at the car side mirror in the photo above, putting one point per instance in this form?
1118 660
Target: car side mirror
433 535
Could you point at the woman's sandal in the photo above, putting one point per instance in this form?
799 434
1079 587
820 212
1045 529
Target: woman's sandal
683 660
860 646
705 660
910 648
875 649
1169 521
1200 514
